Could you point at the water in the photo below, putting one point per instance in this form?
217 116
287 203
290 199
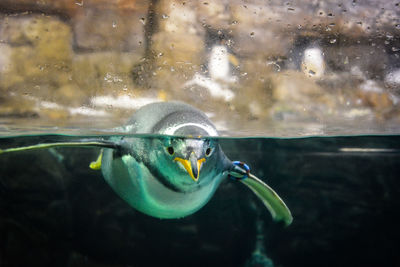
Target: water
343 193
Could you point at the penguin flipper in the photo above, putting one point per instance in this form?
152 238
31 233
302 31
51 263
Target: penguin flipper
79 143
275 205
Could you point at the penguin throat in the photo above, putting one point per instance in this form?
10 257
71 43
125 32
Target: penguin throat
166 181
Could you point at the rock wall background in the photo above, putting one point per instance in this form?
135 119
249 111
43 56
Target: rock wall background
256 67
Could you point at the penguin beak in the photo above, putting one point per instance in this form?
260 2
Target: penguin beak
192 165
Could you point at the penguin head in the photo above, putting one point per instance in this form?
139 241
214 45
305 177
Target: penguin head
186 164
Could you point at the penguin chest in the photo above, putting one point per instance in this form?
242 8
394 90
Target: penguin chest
134 183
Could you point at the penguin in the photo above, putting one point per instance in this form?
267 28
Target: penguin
219 77
169 163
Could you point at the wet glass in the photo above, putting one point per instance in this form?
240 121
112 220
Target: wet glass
257 68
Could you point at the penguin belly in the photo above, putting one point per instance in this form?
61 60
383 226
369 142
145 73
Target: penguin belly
134 183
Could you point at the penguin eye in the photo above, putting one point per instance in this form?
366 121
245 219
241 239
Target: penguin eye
170 150
208 151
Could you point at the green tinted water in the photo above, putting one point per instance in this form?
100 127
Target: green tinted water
343 193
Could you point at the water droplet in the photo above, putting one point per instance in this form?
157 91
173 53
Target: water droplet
143 21
114 24
278 67
234 22
332 41
165 16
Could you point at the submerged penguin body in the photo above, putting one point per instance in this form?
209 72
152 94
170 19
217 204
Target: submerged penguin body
165 168
142 173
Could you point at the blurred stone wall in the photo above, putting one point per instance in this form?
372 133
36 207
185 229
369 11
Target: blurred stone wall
255 67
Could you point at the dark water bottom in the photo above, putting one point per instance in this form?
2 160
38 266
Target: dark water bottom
344 194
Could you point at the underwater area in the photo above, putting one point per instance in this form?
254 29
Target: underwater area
343 193
306 93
